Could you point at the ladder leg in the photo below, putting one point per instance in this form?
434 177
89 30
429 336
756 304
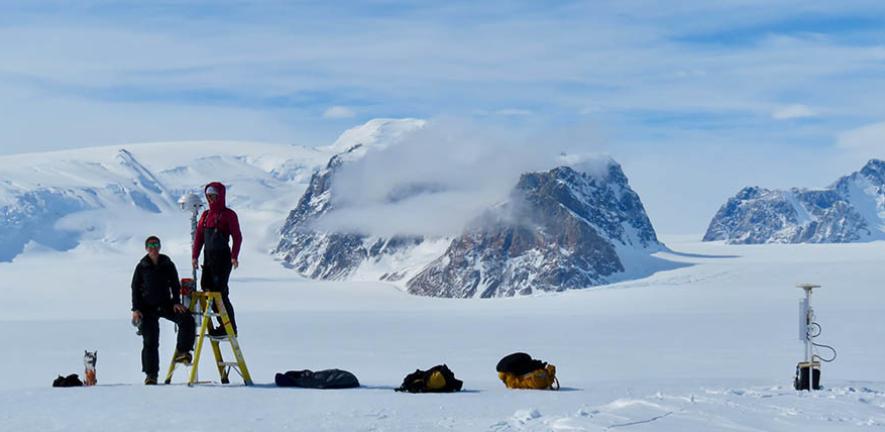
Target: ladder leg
191 308
171 370
219 362
235 345
241 361
199 349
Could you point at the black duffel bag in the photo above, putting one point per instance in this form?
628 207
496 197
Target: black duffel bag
324 379
519 364
438 379
72 380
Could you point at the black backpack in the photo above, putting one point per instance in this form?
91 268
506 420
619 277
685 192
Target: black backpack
519 364
71 380
438 379
324 379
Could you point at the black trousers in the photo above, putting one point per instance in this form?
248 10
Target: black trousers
214 278
150 334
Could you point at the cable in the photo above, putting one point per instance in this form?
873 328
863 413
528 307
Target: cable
835 354
819 331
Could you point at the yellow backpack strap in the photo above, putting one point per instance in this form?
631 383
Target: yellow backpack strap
551 372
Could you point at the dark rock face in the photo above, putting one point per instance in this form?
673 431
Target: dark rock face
845 212
322 254
559 230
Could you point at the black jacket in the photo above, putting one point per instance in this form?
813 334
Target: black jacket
154 286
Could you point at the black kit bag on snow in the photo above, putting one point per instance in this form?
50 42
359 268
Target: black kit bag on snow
519 364
71 380
324 379
438 379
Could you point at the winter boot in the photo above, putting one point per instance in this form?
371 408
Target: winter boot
184 358
219 332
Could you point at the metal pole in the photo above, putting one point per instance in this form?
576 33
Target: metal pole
809 346
192 202
809 318
194 240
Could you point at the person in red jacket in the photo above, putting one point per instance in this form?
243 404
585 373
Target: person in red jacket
217 226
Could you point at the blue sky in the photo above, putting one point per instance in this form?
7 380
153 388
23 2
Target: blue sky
695 98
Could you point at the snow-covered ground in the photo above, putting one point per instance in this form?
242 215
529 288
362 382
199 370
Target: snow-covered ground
704 347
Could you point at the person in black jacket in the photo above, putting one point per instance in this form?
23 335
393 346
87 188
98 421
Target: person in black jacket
155 294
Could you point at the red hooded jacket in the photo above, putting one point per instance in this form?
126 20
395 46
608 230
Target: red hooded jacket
220 217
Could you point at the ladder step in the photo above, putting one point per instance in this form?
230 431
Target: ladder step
229 364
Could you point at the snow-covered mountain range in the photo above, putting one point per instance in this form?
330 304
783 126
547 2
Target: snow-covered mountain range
569 227
56 199
575 224
850 210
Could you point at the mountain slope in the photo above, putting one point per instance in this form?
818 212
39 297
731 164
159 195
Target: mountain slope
560 229
45 197
851 210
325 254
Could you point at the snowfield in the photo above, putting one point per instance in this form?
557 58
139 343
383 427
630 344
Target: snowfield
708 346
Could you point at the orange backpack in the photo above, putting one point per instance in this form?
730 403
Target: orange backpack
520 371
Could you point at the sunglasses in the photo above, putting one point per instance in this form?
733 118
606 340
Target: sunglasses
152 244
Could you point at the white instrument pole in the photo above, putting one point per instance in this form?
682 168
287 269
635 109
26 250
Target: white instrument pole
193 203
806 318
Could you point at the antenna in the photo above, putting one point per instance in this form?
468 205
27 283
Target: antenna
808 371
806 318
192 203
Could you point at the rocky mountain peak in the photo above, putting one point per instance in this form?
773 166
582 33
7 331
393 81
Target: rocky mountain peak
875 171
847 211
560 229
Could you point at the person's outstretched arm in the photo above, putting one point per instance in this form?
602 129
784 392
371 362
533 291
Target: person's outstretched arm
234 226
136 286
198 240
174 284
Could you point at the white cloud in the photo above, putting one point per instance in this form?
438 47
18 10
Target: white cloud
338 112
864 139
793 111
657 76
442 176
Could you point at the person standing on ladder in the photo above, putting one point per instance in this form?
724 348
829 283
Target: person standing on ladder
216 227
155 295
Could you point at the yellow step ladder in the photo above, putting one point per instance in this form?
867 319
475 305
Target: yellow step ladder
208 303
